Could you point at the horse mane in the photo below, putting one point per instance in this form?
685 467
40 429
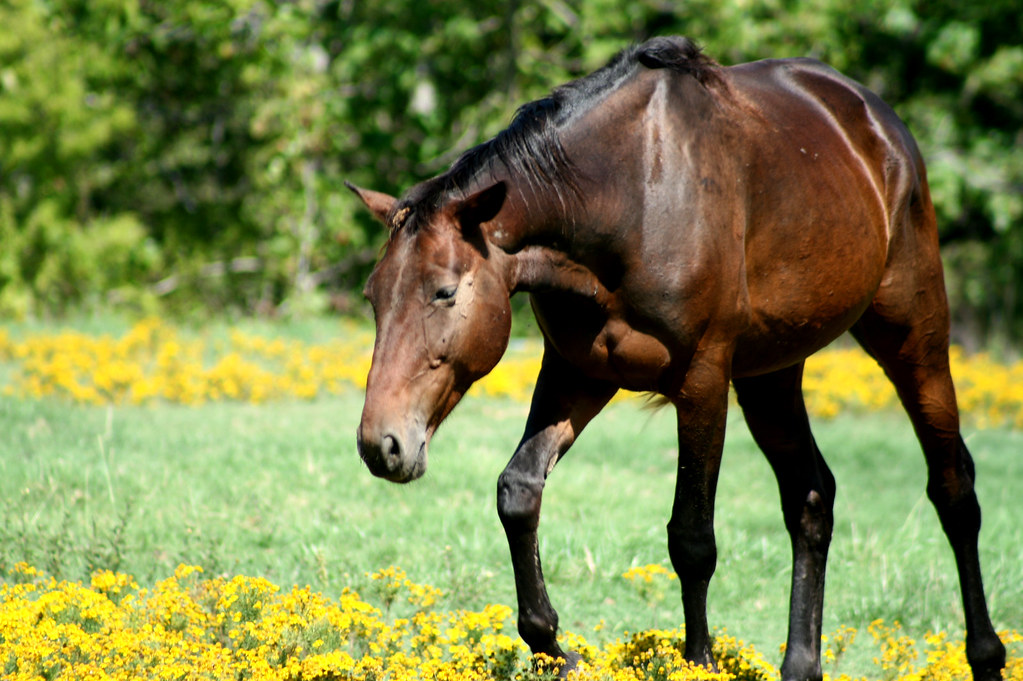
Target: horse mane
677 53
531 146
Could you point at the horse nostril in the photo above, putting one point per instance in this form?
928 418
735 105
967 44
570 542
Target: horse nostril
386 457
391 450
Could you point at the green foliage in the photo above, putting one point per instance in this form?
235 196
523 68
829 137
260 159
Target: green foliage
57 124
205 143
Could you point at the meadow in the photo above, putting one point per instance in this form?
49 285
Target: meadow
196 494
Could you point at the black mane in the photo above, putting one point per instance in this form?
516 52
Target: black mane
530 146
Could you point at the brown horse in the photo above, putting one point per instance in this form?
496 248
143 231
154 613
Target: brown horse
678 225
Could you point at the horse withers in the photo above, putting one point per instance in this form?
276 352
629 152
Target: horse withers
678 226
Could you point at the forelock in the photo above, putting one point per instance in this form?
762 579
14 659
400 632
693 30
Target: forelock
412 212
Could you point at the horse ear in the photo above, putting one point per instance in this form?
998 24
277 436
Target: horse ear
380 204
482 206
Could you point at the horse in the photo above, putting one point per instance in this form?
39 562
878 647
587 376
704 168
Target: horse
679 226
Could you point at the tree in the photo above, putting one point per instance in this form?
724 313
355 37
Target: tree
58 125
192 153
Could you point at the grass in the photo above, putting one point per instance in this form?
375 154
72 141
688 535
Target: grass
278 491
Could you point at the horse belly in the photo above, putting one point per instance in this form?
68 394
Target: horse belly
773 346
793 317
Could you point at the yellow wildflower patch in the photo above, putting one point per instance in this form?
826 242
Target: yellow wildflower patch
191 627
155 361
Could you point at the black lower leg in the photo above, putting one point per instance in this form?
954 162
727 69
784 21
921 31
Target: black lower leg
956 502
518 503
810 530
693 554
776 414
563 403
691 543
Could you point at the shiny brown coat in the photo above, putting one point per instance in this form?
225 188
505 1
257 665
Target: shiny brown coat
679 226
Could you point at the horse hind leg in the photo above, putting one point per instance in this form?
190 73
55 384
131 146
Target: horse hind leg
776 415
908 335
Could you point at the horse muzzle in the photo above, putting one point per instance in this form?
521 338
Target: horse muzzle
392 455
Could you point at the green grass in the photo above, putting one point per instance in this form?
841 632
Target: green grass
278 491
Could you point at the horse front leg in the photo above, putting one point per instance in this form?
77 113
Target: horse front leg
563 403
701 408
777 419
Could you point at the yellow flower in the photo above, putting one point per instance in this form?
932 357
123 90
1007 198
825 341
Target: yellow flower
178 629
152 361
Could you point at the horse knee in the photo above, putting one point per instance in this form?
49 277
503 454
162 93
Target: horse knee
950 487
693 551
957 507
816 521
518 501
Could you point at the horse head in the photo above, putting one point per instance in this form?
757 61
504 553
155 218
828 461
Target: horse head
440 300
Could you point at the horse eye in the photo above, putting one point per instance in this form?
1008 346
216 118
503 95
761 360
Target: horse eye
445 293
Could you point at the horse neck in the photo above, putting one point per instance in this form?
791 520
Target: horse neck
619 148
559 229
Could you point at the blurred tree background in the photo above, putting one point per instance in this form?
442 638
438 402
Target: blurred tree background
188 155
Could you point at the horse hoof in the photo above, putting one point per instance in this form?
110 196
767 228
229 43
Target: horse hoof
571 662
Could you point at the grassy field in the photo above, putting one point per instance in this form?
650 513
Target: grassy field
278 491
